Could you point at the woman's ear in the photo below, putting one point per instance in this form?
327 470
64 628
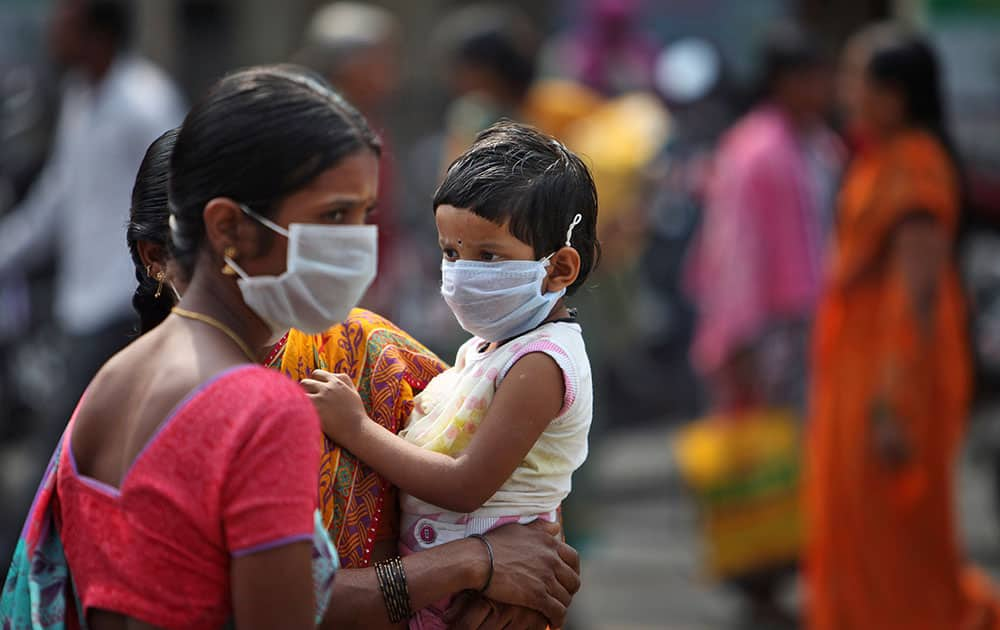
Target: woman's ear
225 227
154 257
564 268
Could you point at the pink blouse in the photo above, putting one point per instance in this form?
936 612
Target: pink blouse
231 471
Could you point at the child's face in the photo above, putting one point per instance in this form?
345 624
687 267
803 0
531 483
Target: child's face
464 235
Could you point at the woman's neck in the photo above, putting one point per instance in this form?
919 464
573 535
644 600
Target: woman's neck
886 134
219 297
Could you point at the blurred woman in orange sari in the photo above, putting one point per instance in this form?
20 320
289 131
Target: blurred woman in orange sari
892 372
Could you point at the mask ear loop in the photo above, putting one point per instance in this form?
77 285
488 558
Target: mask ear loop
271 225
569 237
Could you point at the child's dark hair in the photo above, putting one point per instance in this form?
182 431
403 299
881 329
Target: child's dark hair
258 136
517 175
148 222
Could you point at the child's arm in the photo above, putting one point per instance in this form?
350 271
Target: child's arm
528 399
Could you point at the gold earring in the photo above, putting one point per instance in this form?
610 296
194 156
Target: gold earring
230 252
161 277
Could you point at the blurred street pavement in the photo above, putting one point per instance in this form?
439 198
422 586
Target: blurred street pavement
642 569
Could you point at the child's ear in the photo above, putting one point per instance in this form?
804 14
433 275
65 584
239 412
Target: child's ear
564 267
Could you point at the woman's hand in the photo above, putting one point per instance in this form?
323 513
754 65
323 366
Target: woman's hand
472 611
534 569
889 437
341 412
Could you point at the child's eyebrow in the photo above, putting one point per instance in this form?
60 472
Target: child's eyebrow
491 245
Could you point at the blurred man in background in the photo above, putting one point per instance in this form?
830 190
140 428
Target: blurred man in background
491 50
113 105
356 47
755 272
755 275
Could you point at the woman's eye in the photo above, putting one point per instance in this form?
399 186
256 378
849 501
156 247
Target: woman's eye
335 216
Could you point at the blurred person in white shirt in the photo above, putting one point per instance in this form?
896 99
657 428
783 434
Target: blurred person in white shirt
113 105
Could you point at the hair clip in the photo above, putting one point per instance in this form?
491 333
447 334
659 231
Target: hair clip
569 233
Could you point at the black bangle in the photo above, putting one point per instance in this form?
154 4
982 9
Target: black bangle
489 550
392 584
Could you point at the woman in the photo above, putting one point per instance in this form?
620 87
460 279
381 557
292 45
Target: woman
289 175
387 365
892 382
358 506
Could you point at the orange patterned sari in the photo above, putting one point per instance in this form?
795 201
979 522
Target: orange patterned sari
389 368
883 551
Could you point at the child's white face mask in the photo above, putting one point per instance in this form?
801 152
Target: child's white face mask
496 301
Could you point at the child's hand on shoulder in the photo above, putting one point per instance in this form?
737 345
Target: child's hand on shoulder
341 412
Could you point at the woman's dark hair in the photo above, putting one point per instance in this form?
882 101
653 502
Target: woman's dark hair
517 175
907 64
148 222
258 136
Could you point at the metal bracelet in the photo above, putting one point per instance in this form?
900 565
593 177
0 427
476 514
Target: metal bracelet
392 584
489 550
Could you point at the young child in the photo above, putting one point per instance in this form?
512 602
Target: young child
496 438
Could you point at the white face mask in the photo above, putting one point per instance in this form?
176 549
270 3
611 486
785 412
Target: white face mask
500 300
329 269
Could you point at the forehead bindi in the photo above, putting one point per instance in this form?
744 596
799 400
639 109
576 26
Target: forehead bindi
466 227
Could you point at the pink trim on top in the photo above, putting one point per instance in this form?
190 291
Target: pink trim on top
562 359
106 488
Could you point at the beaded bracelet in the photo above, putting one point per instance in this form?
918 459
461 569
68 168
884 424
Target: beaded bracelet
489 550
392 584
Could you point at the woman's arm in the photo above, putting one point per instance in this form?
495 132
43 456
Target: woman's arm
267 504
920 256
528 399
532 569
274 589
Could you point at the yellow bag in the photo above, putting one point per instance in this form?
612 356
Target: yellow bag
744 473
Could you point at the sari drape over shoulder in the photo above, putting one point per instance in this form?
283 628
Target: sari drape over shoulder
389 367
883 552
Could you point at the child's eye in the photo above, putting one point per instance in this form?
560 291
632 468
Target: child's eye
450 254
488 257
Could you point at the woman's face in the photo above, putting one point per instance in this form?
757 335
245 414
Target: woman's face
344 194
881 110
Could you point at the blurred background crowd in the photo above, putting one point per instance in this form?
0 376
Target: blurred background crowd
697 117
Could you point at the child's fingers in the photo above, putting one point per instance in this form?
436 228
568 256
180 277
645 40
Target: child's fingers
344 378
322 375
311 386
